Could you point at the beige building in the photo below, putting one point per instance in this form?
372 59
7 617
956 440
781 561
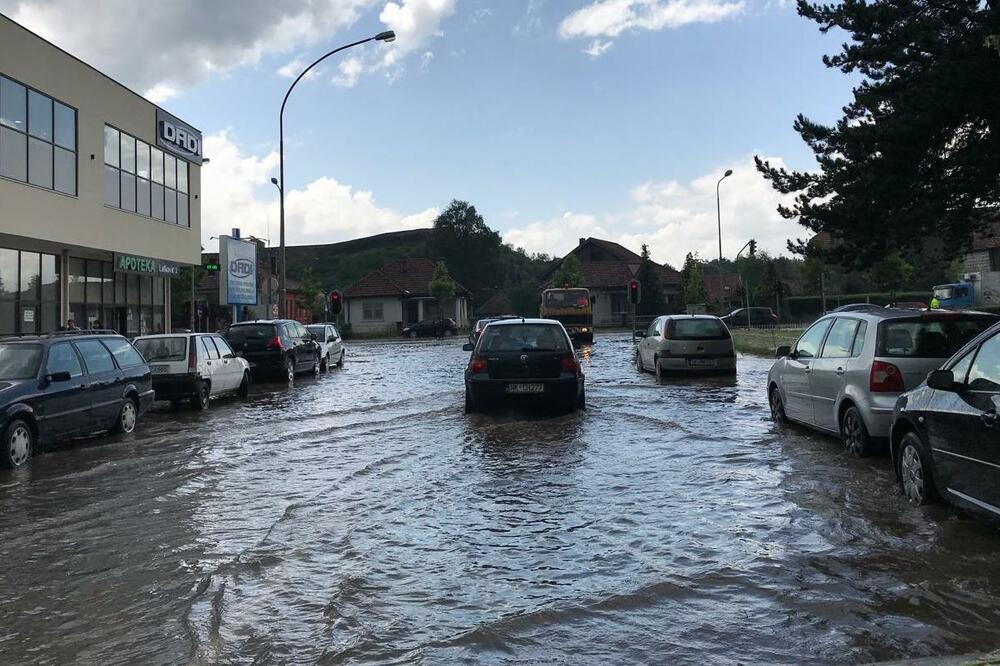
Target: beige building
99 195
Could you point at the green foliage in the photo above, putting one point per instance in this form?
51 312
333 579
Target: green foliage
470 248
568 274
653 302
890 273
916 153
441 286
693 280
310 294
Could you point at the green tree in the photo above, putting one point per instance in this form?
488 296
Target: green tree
568 274
310 293
693 280
469 247
890 273
917 151
653 300
441 286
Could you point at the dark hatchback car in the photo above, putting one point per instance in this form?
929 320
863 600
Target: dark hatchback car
524 361
945 439
275 347
431 328
56 387
477 330
758 317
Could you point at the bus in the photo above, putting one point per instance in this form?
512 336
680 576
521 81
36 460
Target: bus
573 308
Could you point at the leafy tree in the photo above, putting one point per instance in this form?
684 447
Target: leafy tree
890 273
310 293
568 274
692 280
653 300
917 152
469 247
441 286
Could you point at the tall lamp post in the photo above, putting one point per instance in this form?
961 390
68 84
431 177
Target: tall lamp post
386 36
718 212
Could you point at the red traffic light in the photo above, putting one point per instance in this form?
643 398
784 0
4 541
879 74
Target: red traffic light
336 302
634 292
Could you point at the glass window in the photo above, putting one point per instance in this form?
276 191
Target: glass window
19 361
50 279
39 163
112 186
77 280
128 191
524 337
929 337
141 159
28 316
13 154
163 349
961 367
6 316
108 283
120 288
984 375
128 153
182 176
841 339
182 210
210 348
808 344
50 317
65 171
133 290
241 333
63 358
156 164
65 122
8 274
156 201
40 115
372 310
30 264
124 353
170 205
111 145
146 289
859 340
157 291
170 171
142 196
13 104
94 279
224 348
698 329
95 356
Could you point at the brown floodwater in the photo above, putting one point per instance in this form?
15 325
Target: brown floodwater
362 517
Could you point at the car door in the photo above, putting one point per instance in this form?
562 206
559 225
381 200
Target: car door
232 366
794 375
304 352
212 361
103 381
336 344
826 377
64 408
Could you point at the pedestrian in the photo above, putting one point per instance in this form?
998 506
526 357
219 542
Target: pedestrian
935 303
71 325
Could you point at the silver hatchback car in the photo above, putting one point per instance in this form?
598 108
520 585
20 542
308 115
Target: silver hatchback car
686 344
844 373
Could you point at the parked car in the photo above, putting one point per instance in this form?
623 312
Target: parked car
686 344
758 317
275 347
477 330
524 361
846 371
431 328
55 387
331 346
194 367
944 433
857 307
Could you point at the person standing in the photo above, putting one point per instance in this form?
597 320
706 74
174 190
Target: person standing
935 303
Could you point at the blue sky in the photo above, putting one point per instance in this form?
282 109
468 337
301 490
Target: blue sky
496 103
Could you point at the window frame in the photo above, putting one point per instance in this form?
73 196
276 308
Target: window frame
822 342
83 357
180 219
854 335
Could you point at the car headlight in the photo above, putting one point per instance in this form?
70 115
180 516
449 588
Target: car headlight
583 330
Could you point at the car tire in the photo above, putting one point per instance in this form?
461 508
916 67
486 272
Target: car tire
290 368
128 416
470 403
915 475
324 365
581 402
413 334
316 366
777 406
199 400
853 433
340 361
244 389
660 375
18 444
638 362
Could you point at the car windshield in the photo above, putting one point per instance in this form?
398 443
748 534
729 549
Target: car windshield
567 298
246 332
19 361
524 337
318 331
929 338
698 329
163 349
943 293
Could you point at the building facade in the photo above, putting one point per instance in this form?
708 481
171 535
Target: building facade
99 195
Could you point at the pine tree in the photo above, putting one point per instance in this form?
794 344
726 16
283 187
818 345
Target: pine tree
692 280
653 301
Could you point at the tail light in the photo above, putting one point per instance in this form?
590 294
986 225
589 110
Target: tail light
568 364
885 378
193 354
477 365
275 344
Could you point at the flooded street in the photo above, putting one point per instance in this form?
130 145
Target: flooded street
363 517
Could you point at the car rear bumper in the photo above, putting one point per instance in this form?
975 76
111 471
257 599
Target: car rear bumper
174 387
690 364
557 392
266 363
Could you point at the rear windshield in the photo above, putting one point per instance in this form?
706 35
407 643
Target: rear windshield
250 332
318 330
567 298
697 329
524 337
19 361
163 349
929 338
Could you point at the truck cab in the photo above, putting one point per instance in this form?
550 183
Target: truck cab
955 296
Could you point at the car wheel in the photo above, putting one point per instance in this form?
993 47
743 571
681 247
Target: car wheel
413 334
470 404
915 476
127 417
581 402
316 366
638 362
200 399
777 406
244 390
853 433
324 365
340 362
290 368
660 375
18 444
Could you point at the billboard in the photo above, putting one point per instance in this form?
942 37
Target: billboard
238 277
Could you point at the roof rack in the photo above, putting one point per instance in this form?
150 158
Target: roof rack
84 331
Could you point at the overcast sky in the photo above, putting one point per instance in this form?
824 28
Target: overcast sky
557 119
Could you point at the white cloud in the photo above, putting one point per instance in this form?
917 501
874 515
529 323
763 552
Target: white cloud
675 218
597 48
293 68
350 69
610 18
237 192
425 60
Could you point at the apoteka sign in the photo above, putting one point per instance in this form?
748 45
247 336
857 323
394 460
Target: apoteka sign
178 137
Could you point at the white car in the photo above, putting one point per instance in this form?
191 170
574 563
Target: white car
331 345
194 367
686 344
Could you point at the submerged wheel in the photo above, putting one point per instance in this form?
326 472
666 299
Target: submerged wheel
638 362
660 374
316 366
127 417
915 476
340 362
18 444
581 402
853 433
324 365
244 390
777 406
470 404
200 399
290 368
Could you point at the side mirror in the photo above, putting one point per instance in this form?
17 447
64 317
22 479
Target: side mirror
468 346
782 351
640 334
62 376
941 380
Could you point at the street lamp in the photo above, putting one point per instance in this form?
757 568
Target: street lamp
718 212
387 36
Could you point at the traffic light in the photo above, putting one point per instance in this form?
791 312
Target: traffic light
634 292
336 302
753 247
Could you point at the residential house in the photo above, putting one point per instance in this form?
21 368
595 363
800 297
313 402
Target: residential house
495 305
397 295
606 269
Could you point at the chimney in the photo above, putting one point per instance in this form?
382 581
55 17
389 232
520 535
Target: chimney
582 241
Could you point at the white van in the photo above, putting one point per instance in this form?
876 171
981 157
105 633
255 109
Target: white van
194 367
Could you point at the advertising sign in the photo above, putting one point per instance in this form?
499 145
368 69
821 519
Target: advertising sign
130 263
238 274
178 137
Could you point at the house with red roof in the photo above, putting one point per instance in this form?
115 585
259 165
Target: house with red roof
397 295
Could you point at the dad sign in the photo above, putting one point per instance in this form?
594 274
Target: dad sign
178 137
238 277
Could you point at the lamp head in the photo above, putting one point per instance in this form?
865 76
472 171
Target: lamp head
387 36
729 172
274 181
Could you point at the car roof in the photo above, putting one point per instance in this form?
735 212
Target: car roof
881 313
690 316
179 334
60 335
524 320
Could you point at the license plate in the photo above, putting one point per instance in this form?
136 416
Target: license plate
525 388
702 362
159 369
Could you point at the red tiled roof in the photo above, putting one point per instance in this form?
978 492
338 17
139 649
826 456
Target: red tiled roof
497 304
399 277
615 273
